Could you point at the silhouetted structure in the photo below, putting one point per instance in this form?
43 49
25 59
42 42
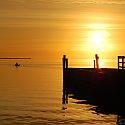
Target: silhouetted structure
103 87
121 62
65 92
97 61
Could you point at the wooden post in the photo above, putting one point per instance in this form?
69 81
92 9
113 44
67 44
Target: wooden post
94 63
66 100
122 62
66 63
118 62
65 93
64 60
97 61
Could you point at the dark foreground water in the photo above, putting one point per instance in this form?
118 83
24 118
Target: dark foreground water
32 95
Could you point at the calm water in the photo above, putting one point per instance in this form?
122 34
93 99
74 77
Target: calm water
32 95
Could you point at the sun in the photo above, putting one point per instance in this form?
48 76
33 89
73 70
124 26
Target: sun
98 38
97 41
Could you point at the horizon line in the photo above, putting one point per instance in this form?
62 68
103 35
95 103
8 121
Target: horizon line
16 58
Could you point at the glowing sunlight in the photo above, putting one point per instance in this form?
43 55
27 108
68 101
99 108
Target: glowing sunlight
97 39
101 64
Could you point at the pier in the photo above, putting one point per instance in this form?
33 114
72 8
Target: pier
102 87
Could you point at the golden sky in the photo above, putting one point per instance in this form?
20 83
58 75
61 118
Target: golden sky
51 28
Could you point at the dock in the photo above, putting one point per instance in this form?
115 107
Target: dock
102 87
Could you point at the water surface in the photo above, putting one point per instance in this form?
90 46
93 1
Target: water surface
32 95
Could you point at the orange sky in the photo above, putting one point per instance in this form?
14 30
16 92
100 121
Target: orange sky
50 28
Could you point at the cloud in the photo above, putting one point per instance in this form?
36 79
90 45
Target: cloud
49 3
83 1
63 1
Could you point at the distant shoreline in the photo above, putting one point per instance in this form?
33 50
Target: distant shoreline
14 58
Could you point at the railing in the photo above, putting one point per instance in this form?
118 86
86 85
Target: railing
121 62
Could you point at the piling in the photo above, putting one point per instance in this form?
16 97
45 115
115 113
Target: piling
65 93
97 61
94 64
